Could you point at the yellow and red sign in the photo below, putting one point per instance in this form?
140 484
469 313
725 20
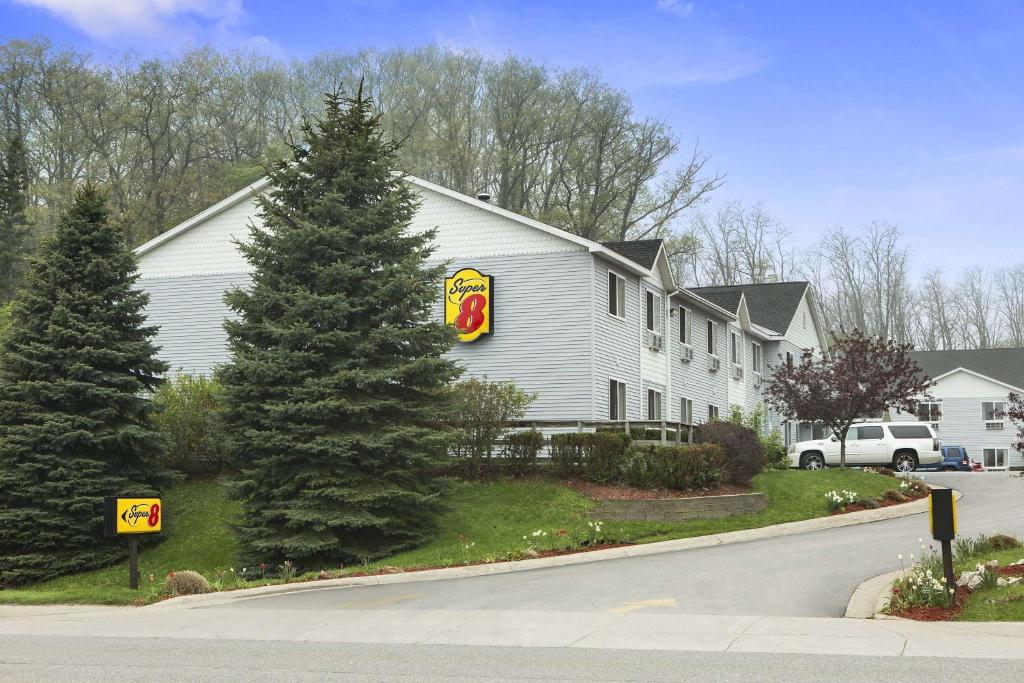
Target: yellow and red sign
469 303
133 516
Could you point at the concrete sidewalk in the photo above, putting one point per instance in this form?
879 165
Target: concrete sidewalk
636 626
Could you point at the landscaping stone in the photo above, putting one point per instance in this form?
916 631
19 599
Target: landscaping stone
992 564
975 581
966 578
1002 583
1017 563
530 554
679 509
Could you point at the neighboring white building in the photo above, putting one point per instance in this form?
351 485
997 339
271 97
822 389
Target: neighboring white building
597 331
970 392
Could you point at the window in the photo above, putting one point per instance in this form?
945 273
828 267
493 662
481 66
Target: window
685 326
993 411
789 360
712 338
616 400
734 348
929 411
910 431
994 457
686 411
870 433
653 312
756 357
805 321
616 295
653 404
712 412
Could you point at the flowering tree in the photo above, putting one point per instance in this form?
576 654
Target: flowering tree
1015 411
862 376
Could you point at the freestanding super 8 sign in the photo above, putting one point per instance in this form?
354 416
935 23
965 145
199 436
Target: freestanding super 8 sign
469 303
131 517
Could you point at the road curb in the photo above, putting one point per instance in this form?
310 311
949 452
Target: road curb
657 548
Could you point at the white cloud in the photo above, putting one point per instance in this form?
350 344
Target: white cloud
156 23
677 7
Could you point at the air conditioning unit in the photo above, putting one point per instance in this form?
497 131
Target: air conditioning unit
655 342
687 353
737 371
714 363
758 380
995 426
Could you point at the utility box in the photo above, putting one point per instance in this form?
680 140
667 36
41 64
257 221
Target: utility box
942 510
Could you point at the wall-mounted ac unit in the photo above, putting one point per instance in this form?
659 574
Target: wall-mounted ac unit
687 353
737 371
655 342
758 380
995 426
714 363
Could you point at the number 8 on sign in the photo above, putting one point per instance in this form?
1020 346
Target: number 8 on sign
471 314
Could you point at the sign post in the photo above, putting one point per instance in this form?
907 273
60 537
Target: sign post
942 511
130 517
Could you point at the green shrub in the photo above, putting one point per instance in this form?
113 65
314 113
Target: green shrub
601 459
190 416
521 449
569 452
775 454
480 413
186 583
743 450
673 467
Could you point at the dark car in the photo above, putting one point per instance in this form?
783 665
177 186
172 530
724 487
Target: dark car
954 459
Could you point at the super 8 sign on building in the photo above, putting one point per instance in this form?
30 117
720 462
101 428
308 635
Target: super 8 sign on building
469 303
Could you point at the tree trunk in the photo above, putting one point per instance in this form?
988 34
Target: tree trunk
842 452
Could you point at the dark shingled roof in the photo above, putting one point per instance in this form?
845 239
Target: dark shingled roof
1005 365
771 305
641 252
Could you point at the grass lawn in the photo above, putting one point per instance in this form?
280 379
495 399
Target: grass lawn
485 522
995 604
493 518
198 537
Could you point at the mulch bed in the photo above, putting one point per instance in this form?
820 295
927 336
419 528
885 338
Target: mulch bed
937 613
1012 570
624 492
882 503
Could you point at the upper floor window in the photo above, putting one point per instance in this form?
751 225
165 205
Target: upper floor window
789 360
653 312
712 337
756 357
929 411
734 347
994 413
616 295
685 326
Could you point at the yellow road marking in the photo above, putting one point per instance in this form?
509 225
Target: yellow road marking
634 606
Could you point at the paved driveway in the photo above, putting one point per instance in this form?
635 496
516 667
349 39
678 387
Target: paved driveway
811 574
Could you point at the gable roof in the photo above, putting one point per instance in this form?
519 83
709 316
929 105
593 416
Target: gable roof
1002 365
643 252
264 183
771 304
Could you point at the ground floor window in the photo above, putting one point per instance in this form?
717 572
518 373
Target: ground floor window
929 411
686 411
653 404
995 457
616 400
712 412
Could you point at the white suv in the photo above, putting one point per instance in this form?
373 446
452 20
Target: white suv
901 446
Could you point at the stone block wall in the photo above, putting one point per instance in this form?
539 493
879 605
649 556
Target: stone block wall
679 509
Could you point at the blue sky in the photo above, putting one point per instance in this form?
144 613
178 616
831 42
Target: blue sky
827 112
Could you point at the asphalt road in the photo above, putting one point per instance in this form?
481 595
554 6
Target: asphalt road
810 574
45 658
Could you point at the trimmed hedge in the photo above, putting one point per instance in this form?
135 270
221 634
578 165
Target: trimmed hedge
743 449
673 467
595 456
521 449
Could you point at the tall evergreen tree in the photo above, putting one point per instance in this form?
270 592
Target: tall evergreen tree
76 365
13 228
334 388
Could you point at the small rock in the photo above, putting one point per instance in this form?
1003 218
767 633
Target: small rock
1002 583
992 564
530 554
1012 580
1017 563
965 578
974 582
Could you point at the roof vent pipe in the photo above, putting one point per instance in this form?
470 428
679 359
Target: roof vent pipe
484 197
